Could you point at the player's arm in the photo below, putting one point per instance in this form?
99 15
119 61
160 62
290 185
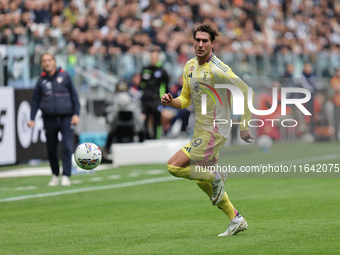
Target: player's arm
246 117
183 101
167 99
35 102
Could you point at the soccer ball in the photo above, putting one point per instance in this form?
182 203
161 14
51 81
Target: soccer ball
264 142
88 156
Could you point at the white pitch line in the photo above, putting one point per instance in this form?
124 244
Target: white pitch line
95 179
135 174
307 160
25 188
156 171
114 177
76 181
112 186
44 171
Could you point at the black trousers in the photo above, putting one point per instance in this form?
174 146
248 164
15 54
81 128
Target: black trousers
152 108
52 127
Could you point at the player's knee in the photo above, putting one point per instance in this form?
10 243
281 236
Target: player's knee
173 170
199 183
205 186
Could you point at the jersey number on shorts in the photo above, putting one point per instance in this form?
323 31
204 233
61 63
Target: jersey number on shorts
197 142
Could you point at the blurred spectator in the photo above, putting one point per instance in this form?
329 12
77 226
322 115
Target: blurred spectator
261 37
310 82
41 12
134 85
290 29
153 84
266 101
289 74
335 84
71 12
124 117
323 131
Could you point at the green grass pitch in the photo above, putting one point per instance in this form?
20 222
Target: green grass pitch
142 210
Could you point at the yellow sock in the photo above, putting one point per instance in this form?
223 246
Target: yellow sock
184 172
225 205
206 187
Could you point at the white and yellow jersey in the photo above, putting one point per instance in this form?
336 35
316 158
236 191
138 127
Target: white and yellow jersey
201 79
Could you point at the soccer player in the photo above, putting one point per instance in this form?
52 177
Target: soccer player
200 75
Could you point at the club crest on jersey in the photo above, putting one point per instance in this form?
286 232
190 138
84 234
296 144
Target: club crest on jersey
205 75
192 68
59 79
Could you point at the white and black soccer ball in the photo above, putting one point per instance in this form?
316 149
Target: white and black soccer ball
88 156
264 142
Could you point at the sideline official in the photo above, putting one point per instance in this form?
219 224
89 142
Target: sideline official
57 98
154 83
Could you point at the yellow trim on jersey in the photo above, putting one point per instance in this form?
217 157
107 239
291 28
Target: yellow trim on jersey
186 149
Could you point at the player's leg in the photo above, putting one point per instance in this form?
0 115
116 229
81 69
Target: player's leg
237 222
67 144
109 141
67 149
205 150
156 124
235 226
194 159
179 165
51 133
146 112
225 205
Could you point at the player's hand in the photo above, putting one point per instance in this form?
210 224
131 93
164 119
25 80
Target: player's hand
166 99
75 120
30 123
246 135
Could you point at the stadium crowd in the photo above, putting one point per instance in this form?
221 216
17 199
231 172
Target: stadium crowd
258 37
107 27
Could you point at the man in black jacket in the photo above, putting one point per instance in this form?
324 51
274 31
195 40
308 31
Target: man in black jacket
154 83
57 98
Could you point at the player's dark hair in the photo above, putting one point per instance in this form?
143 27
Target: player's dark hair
46 53
207 28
